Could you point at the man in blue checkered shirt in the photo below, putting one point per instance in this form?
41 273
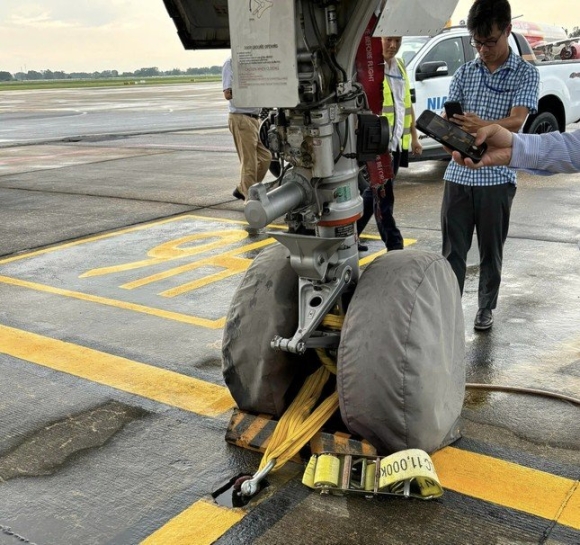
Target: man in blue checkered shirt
497 87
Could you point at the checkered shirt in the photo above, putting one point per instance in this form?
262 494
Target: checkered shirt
492 96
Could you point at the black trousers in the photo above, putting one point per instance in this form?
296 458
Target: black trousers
487 210
383 210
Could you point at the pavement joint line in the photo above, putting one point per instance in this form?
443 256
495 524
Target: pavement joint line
73 139
469 473
109 197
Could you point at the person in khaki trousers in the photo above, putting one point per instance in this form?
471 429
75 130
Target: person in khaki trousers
244 124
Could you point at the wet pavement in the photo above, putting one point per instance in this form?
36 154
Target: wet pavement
119 255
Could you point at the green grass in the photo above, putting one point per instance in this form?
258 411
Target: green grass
112 82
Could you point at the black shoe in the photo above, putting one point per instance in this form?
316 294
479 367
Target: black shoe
238 194
363 248
483 319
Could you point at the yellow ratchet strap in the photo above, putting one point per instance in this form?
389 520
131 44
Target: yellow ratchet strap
408 473
300 422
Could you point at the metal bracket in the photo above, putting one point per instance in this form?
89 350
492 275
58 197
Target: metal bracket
316 299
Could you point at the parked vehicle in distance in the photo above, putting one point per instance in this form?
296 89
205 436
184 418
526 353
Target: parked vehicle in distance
536 33
559 50
432 61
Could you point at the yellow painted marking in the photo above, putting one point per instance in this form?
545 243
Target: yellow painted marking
144 380
230 261
203 523
227 260
125 231
166 314
369 258
103 237
570 514
482 477
489 479
175 249
191 266
510 485
196 284
253 429
366 260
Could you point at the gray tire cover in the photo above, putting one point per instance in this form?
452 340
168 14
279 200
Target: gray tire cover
264 305
401 360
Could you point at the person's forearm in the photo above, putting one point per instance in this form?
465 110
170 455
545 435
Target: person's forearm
511 123
414 134
547 153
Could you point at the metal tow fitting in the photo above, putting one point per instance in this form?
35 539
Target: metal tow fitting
251 486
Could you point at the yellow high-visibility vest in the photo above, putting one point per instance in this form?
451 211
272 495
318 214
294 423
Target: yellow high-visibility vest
389 107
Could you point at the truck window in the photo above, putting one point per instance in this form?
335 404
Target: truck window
450 51
410 45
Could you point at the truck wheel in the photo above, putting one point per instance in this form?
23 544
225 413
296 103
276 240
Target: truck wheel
544 122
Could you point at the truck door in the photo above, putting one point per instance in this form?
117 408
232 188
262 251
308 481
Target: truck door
431 92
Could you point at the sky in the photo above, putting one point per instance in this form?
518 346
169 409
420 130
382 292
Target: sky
125 35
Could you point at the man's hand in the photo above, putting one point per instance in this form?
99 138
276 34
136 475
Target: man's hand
469 122
228 94
416 147
499 148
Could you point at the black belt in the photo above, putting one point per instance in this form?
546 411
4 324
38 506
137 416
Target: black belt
255 116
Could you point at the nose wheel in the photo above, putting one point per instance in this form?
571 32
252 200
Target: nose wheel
260 378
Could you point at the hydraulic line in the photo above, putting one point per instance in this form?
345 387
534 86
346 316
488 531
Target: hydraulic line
515 389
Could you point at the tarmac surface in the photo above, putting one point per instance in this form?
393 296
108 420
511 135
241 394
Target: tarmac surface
120 248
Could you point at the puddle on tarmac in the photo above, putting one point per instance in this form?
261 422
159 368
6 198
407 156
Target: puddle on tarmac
229 495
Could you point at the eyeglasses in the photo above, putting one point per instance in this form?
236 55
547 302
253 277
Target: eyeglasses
487 43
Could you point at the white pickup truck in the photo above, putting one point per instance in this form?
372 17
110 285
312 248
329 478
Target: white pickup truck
432 61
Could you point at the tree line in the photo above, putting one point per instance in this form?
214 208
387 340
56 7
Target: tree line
33 75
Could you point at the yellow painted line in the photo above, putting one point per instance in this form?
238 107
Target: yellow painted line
95 238
175 389
510 485
366 260
482 477
475 475
570 514
192 266
166 314
196 284
229 261
125 231
201 524
176 249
